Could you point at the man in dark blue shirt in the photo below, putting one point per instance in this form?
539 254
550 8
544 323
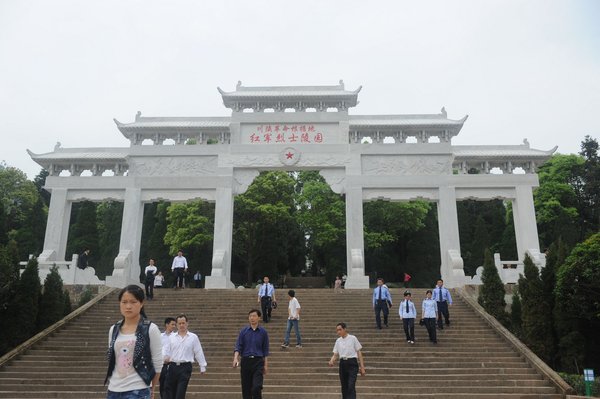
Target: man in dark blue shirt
252 346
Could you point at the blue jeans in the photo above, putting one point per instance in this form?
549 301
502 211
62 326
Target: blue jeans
294 323
136 394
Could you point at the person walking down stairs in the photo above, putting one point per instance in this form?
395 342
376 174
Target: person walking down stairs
382 301
443 298
293 320
430 313
347 349
134 351
251 353
266 298
408 314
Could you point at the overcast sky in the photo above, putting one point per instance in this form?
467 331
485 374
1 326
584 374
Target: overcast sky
519 69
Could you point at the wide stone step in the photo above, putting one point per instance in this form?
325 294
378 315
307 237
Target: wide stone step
470 360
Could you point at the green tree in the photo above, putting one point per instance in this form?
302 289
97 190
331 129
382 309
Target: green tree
321 215
516 312
537 313
9 280
481 225
589 192
555 257
577 296
157 249
83 232
25 303
39 181
19 197
189 226
109 216
67 306
30 235
52 300
389 226
263 216
491 292
556 200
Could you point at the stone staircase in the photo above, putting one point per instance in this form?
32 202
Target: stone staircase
471 360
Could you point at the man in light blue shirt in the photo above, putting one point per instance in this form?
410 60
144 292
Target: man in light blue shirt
443 298
266 297
382 301
408 314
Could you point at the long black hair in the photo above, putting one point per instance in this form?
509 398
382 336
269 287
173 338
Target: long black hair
138 294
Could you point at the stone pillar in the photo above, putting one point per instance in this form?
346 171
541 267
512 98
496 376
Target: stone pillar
452 267
57 228
127 264
526 233
220 276
355 243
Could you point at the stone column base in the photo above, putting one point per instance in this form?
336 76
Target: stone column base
361 282
217 282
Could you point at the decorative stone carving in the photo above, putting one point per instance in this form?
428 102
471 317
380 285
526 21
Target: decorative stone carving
336 178
242 178
290 156
406 165
177 166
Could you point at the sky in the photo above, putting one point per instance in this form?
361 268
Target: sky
519 69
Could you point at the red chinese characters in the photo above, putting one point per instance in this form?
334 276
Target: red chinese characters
281 134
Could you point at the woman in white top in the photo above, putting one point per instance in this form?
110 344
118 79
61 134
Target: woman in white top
159 279
134 350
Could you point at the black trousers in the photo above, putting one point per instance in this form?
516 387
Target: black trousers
443 311
348 374
430 326
265 307
251 373
179 277
409 328
381 306
149 284
177 380
162 383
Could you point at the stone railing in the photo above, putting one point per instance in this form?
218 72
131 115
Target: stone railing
182 138
95 169
485 167
399 136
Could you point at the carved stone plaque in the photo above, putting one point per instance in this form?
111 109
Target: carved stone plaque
406 165
172 166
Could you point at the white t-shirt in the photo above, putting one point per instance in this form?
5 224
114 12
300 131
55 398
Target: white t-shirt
347 347
150 268
124 377
158 280
293 307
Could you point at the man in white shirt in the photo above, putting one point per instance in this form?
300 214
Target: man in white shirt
170 326
183 347
347 348
266 297
150 273
179 267
293 320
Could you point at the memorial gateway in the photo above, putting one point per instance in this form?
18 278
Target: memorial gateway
364 157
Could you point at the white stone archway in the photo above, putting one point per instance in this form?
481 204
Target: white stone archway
332 142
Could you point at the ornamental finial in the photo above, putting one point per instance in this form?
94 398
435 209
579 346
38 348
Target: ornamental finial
444 113
138 115
239 84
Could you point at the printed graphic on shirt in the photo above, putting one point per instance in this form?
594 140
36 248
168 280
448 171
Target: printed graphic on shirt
124 353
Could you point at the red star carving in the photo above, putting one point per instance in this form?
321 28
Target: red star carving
289 155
